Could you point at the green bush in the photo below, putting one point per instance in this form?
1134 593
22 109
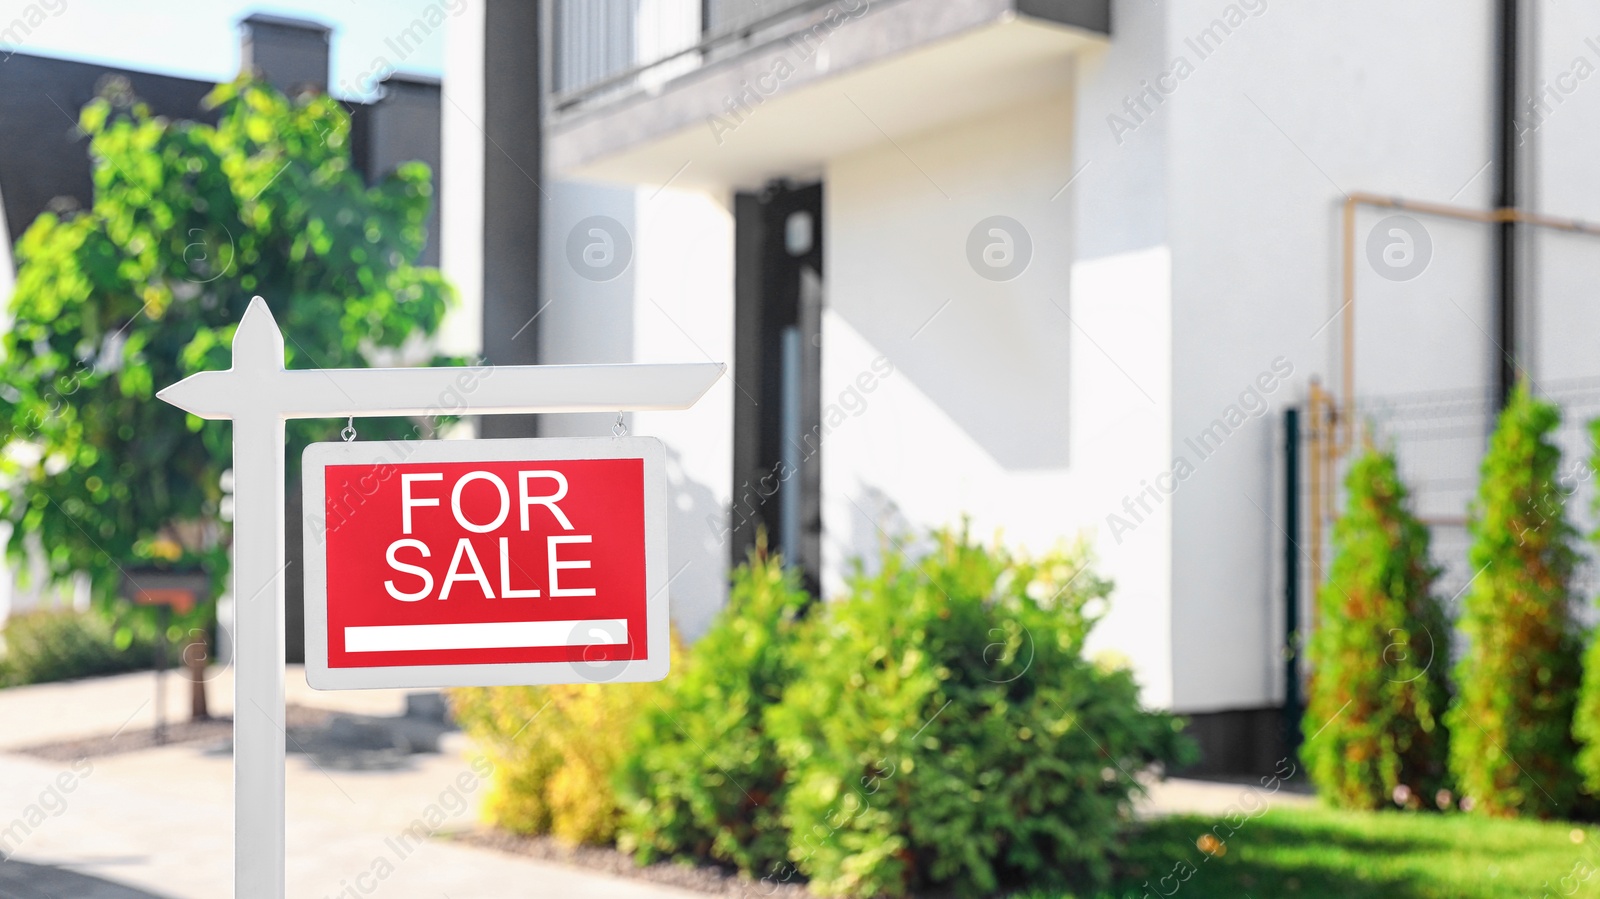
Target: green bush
703 779
45 645
946 732
555 752
1511 747
1380 656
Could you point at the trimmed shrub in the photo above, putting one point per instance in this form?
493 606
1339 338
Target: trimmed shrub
1511 747
946 731
44 645
555 751
1586 720
1374 721
703 779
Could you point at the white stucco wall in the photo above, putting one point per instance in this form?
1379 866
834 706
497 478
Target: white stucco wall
461 201
1560 126
1026 404
1273 124
1185 260
671 301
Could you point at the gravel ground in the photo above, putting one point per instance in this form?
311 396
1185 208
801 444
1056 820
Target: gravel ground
702 879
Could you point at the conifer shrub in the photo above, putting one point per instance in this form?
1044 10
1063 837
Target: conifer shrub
1511 746
1375 717
1586 720
703 779
947 733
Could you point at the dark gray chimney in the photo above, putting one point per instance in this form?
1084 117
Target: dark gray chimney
403 125
290 54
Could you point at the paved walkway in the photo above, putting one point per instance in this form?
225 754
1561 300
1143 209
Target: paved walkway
49 712
159 823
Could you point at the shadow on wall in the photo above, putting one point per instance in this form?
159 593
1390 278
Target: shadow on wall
696 552
994 361
876 525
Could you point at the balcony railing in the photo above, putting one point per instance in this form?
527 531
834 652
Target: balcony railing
604 48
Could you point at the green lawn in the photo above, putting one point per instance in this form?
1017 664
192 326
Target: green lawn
1315 853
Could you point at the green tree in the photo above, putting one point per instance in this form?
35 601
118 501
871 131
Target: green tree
1511 746
1380 656
145 287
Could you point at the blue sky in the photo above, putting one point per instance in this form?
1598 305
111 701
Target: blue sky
200 38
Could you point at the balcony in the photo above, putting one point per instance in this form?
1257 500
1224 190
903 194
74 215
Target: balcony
732 93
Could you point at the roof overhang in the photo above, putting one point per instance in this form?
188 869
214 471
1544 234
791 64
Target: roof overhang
824 88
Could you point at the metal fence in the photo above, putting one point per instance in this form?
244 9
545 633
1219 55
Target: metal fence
1439 439
601 48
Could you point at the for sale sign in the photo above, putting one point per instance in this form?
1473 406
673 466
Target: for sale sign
484 562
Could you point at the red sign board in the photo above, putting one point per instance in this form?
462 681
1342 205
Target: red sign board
481 562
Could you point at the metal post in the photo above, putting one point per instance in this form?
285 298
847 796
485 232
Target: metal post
163 620
1291 579
1506 141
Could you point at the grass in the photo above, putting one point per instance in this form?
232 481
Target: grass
1316 853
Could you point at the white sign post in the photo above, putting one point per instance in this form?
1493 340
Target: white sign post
258 394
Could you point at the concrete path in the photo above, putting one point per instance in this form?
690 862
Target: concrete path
48 712
160 821
1178 796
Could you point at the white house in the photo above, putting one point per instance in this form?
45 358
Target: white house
1056 266
1060 267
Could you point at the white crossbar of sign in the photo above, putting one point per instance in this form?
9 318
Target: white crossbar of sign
485 635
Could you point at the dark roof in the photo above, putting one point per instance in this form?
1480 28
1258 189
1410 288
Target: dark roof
44 159
43 156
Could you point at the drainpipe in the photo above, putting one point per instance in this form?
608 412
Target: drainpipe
1292 703
1506 59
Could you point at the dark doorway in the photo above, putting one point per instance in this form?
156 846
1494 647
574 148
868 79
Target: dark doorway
777 418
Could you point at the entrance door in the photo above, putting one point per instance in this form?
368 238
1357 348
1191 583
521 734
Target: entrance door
777 421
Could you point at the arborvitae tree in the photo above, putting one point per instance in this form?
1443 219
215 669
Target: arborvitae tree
1586 722
1378 692
1511 747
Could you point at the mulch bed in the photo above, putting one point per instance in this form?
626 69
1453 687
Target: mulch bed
178 733
699 878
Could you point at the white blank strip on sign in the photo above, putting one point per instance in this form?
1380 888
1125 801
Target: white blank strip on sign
486 635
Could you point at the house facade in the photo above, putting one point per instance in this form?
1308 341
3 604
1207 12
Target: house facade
1057 269
1051 268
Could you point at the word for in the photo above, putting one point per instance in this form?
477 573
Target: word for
410 501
